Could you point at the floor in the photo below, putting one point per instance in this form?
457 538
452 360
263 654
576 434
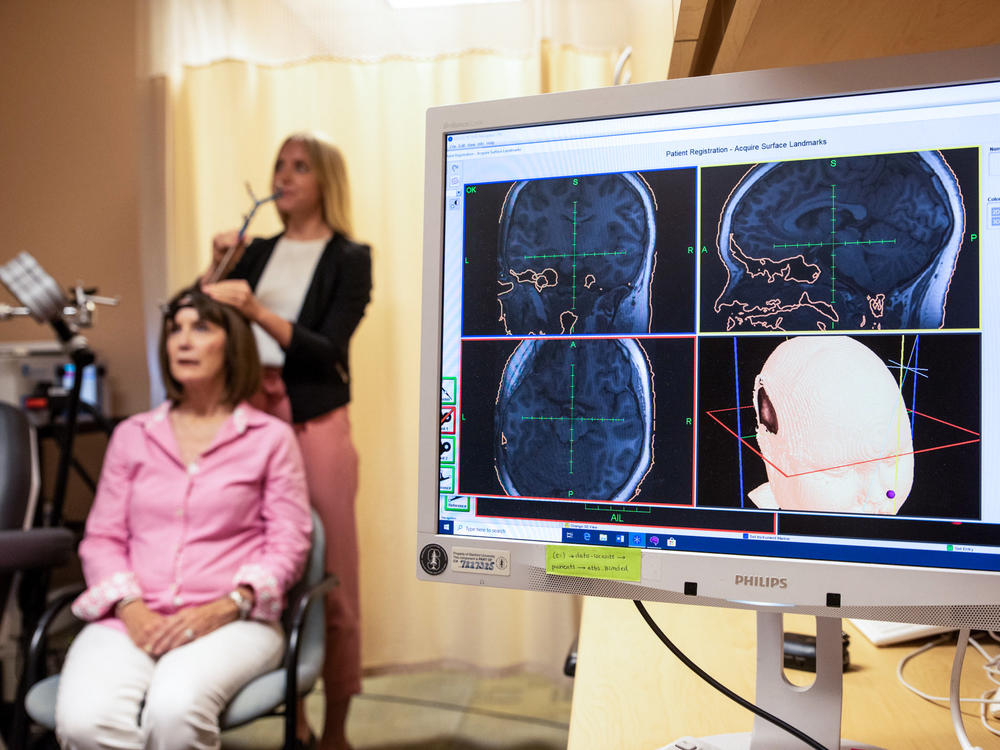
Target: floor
441 710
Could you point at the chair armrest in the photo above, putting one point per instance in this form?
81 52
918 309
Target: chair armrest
299 608
33 662
35 548
37 643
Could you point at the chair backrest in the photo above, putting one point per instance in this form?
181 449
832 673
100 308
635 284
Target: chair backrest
313 639
18 492
263 693
18 484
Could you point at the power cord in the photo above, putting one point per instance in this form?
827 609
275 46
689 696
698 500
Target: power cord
991 667
719 686
954 691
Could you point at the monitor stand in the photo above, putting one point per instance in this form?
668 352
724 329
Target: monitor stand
815 710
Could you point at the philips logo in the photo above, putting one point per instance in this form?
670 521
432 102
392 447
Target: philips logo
762 582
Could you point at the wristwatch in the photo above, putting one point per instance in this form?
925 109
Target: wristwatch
243 604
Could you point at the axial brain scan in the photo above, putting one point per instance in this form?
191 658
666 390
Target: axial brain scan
574 419
576 256
833 429
861 242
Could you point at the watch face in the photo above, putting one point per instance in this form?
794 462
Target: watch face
242 603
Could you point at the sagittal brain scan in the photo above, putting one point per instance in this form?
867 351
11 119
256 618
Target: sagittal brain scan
574 419
577 255
846 243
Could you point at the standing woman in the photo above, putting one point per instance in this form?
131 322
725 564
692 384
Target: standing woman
305 290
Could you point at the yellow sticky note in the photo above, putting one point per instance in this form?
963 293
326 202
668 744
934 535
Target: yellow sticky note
614 563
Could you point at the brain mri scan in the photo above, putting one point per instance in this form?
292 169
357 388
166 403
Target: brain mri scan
576 256
574 419
850 243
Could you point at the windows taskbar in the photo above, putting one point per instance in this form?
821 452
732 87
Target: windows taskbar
945 556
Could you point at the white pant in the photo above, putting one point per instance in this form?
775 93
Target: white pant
106 678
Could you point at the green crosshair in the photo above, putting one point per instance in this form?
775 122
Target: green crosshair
574 253
572 418
833 244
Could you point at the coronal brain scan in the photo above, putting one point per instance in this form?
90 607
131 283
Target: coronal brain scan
576 255
847 243
833 429
574 419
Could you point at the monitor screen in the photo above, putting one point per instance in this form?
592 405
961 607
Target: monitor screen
737 333
90 386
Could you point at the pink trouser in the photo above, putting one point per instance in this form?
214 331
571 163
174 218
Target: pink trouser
331 464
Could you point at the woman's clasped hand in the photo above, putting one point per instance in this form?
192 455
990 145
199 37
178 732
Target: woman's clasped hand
156 634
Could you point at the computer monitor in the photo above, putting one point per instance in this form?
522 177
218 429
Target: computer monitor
729 340
91 387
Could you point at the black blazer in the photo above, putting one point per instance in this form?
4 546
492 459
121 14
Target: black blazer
316 370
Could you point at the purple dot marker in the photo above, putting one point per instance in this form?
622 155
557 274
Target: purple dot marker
890 494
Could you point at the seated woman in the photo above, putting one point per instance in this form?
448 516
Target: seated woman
200 525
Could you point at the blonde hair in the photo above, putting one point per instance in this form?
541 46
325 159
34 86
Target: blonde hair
331 173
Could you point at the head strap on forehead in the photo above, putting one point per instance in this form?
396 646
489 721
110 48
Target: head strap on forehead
186 301
194 298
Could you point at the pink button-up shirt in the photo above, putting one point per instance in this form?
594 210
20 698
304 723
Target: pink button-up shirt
180 536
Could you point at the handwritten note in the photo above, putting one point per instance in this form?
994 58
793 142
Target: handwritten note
614 563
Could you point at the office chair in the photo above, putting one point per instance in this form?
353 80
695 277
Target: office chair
24 548
18 494
305 629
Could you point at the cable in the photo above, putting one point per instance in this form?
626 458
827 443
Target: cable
991 667
719 686
954 691
940 641
988 698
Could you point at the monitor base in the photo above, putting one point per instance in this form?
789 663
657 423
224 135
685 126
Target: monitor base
741 741
814 710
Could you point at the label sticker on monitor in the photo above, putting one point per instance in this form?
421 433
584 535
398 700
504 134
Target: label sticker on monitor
617 564
490 562
433 559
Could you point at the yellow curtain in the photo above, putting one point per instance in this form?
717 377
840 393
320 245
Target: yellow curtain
224 123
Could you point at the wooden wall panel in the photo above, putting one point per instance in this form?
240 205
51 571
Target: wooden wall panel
69 157
779 33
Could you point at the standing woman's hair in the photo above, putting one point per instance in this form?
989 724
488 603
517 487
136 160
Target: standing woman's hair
242 362
331 173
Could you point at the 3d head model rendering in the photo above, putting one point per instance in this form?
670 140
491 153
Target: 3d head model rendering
833 429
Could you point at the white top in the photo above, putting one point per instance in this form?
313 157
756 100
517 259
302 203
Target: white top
282 288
